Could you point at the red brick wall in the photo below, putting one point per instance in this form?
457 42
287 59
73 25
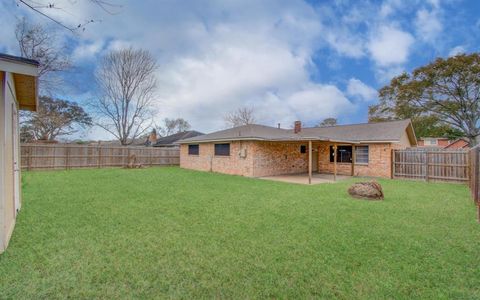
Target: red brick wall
275 158
207 161
379 161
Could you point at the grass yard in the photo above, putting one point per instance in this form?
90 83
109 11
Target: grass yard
173 233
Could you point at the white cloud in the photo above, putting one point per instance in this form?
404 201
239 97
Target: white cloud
384 75
428 24
388 7
389 46
346 43
87 50
357 89
263 74
318 101
457 50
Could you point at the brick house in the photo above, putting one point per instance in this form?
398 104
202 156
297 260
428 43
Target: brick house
433 142
443 143
257 150
461 143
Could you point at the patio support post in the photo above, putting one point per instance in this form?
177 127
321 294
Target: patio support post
309 162
353 160
335 162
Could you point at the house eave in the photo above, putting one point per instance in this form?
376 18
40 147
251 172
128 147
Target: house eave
25 76
299 139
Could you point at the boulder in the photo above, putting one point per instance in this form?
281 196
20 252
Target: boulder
371 190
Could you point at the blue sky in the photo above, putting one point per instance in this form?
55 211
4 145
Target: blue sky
290 60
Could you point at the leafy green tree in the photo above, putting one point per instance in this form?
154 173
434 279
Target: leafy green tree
328 122
442 98
53 118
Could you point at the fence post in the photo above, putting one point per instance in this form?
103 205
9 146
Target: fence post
67 158
475 175
427 165
29 158
392 167
99 158
151 151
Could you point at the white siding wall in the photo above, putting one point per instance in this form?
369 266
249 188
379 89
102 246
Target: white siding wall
7 207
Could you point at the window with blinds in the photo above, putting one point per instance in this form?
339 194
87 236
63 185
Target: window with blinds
361 154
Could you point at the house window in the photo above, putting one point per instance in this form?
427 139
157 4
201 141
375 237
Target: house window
303 149
431 142
193 149
361 154
344 154
222 149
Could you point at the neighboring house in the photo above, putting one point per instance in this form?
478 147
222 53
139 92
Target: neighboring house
461 143
257 150
18 91
433 142
443 143
151 139
172 140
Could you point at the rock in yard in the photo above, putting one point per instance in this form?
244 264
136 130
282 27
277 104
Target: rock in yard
366 190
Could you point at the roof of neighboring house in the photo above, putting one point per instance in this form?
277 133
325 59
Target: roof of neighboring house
24 72
435 138
172 140
465 143
391 131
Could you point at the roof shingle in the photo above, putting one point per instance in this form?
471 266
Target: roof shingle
368 132
172 140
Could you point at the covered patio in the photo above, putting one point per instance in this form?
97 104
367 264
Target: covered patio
334 156
305 178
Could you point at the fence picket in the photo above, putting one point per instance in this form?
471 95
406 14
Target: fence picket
66 156
431 165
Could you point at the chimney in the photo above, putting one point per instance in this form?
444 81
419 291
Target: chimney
297 127
152 139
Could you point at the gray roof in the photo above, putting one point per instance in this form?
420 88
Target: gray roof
174 138
391 131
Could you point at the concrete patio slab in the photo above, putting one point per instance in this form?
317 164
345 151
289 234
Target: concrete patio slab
302 178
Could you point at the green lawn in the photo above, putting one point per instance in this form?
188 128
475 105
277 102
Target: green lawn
172 233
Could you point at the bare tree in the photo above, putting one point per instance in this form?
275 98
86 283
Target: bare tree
126 81
44 8
38 43
172 126
328 122
240 116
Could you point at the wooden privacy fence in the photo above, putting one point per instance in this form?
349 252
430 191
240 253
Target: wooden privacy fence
66 156
435 165
474 182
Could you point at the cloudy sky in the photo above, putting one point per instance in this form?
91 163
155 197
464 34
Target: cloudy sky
289 60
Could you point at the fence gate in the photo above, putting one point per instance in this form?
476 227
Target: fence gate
435 165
